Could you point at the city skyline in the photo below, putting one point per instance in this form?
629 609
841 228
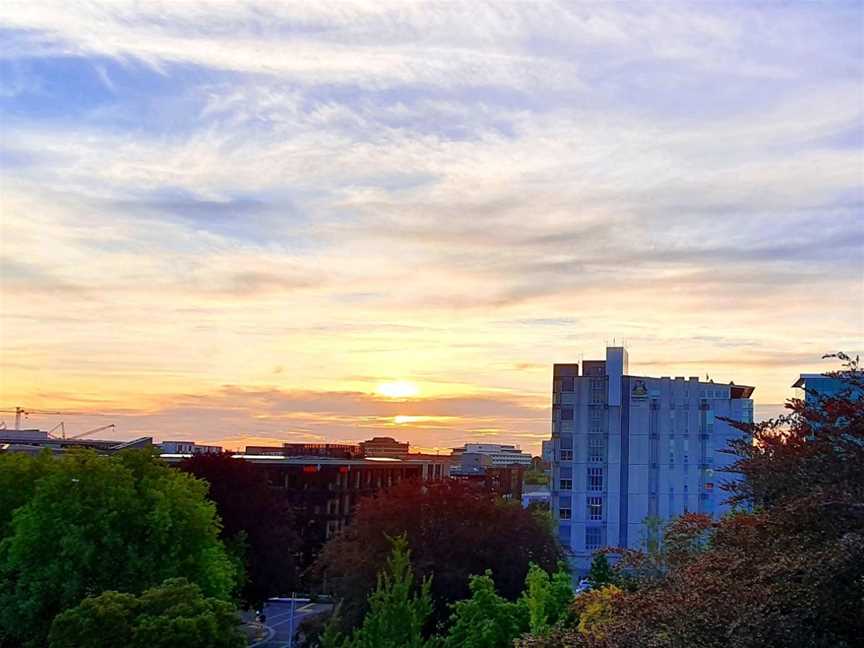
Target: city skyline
331 222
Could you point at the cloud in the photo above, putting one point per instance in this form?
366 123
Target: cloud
238 416
455 193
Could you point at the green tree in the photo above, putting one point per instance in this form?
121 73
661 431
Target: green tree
96 523
18 476
174 614
485 620
546 598
397 614
601 572
332 637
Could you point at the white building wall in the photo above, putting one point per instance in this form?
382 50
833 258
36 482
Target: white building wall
667 420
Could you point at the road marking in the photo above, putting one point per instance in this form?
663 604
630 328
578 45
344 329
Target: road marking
273 625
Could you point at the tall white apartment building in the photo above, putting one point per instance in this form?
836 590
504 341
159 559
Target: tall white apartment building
629 448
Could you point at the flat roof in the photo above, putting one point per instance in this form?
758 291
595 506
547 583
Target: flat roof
803 378
314 459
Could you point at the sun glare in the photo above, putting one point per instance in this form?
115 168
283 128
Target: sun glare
398 389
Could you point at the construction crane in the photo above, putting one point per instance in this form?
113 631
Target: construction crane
62 431
93 431
20 411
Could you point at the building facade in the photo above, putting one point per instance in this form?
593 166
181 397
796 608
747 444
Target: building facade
384 447
499 454
188 447
324 490
632 448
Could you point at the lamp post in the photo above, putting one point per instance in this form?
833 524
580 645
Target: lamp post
291 623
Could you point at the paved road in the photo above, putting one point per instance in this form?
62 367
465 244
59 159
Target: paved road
278 612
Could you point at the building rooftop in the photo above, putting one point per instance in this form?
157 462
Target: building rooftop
317 459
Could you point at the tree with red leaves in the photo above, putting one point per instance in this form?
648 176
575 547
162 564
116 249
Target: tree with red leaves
257 523
786 570
454 531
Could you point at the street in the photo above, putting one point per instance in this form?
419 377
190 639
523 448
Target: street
278 613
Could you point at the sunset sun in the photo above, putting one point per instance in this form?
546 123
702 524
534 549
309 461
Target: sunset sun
397 389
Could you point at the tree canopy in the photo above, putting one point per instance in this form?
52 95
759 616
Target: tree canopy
398 610
173 614
257 522
485 619
454 530
88 523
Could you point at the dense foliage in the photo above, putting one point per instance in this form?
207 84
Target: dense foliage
398 611
174 614
454 531
82 524
485 619
788 572
257 523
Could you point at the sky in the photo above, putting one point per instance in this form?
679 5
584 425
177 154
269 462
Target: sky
269 221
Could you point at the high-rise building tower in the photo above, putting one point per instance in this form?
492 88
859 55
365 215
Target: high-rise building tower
631 448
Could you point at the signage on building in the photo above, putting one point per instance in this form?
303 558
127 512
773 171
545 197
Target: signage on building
639 391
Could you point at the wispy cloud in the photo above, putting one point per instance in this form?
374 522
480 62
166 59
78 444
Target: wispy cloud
456 193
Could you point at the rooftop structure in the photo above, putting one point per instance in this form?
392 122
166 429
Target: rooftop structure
816 386
36 440
499 454
383 447
190 447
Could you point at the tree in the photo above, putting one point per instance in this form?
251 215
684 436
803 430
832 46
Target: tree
594 609
18 476
174 614
486 619
96 523
454 530
546 598
600 573
397 614
256 521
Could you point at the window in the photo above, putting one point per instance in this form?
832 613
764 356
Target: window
595 448
567 385
595 508
564 513
686 450
566 484
671 450
595 421
595 478
593 537
564 534
566 413
598 388
566 455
